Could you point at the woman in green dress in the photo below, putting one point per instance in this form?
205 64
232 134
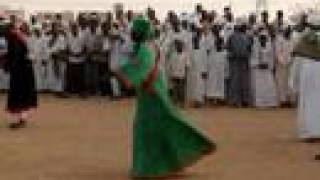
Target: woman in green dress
163 141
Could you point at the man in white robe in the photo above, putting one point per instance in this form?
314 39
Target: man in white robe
300 32
76 45
173 36
309 87
57 65
309 98
215 88
37 53
263 82
284 48
115 48
196 81
92 40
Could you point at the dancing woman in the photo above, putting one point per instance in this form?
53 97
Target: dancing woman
163 141
22 97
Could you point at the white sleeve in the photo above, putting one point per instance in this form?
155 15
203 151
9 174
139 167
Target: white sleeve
106 44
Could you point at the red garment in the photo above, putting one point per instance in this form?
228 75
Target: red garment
152 77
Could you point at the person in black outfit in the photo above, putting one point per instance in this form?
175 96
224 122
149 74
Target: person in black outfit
22 97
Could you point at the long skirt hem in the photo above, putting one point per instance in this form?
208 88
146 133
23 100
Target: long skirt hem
19 110
188 162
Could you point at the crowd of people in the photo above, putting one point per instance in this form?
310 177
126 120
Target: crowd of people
197 59
208 58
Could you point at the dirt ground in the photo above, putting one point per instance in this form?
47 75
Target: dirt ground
73 139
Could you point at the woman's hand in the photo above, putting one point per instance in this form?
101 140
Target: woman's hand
121 77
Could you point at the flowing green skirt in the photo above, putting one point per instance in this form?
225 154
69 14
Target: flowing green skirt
164 142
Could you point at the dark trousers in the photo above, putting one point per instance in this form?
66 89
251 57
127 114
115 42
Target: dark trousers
178 90
239 92
91 76
76 78
104 86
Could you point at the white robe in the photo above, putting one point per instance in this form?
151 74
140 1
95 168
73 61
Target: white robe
171 52
297 62
215 87
264 91
187 40
76 45
195 83
57 83
114 66
295 73
46 66
37 53
284 49
227 30
178 65
170 49
309 101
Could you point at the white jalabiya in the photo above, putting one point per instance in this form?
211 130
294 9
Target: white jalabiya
264 91
76 44
295 73
206 43
179 64
284 49
114 66
57 79
171 52
47 64
309 101
187 40
228 30
217 64
37 53
196 84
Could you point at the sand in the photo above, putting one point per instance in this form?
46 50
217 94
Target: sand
74 139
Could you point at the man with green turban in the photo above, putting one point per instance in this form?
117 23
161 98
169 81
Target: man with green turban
164 142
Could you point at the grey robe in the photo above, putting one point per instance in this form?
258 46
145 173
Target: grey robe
239 92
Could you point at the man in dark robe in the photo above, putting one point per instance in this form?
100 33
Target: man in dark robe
239 51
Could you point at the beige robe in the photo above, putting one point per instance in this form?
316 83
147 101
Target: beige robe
284 50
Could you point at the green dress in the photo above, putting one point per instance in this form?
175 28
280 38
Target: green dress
163 141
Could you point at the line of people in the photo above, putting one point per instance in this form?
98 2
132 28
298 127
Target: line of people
208 59
241 62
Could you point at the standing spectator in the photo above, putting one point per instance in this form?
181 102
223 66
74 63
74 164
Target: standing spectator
104 69
57 62
114 62
76 62
284 48
37 53
239 50
196 82
93 46
179 64
216 74
264 92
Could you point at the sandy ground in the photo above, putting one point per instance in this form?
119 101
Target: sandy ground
72 139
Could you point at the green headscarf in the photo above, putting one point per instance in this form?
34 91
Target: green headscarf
138 65
143 29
